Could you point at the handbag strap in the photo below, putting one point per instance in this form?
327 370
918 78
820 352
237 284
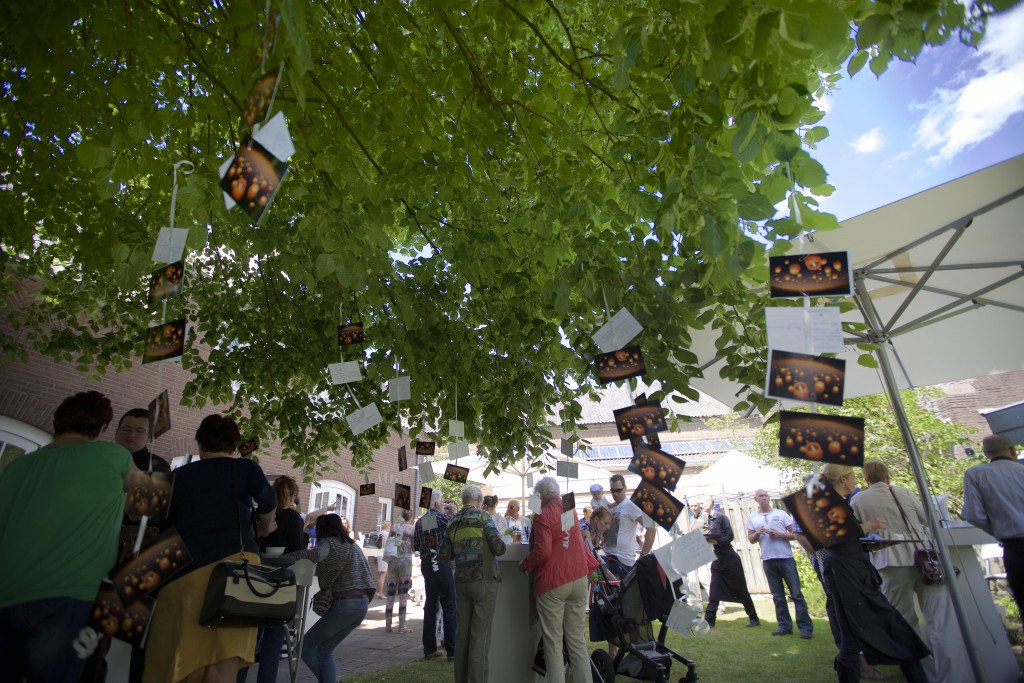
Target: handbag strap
238 515
906 521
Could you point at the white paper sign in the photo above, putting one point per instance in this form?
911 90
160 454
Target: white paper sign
617 332
568 519
533 505
564 468
567 447
459 449
344 373
170 244
804 330
363 419
684 618
456 429
426 472
428 522
685 554
399 389
275 137
529 478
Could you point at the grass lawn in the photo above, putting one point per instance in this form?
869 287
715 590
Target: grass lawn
730 652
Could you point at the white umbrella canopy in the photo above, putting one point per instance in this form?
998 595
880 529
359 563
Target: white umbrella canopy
735 475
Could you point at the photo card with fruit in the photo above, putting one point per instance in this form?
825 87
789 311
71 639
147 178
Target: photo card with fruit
825 518
261 98
568 501
166 281
620 364
403 459
403 496
350 333
160 415
809 275
425 448
656 466
165 341
425 493
253 178
112 618
821 438
805 378
367 489
154 567
641 419
148 493
657 504
248 446
456 473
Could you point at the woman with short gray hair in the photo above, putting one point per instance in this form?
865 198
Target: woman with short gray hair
560 563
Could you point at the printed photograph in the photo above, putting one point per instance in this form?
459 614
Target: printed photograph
809 275
456 473
656 466
247 447
261 99
403 496
403 459
821 438
621 364
165 341
638 420
568 501
425 447
657 504
351 333
166 281
113 619
425 493
154 567
149 493
160 415
253 178
367 489
810 379
826 518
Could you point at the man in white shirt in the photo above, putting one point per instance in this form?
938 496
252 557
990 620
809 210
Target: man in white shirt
620 541
773 530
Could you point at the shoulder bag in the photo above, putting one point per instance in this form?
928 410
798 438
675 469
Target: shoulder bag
243 594
925 558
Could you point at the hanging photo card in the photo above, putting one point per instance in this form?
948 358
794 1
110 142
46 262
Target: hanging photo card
568 501
252 179
822 438
617 332
170 245
621 364
269 36
568 520
248 446
148 493
350 333
456 473
458 449
403 459
426 472
653 440
425 494
364 418
166 281
638 420
158 562
567 448
275 138
367 489
261 98
165 341
113 619
399 389
456 429
534 504
657 504
809 275
656 466
160 415
403 496
685 554
425 448
805 378
804 330
825 517
570 470
345 372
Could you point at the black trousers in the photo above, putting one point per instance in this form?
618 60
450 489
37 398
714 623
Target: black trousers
1013 560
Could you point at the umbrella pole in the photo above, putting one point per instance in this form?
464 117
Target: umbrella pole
892 389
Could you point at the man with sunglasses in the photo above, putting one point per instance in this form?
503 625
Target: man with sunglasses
620 542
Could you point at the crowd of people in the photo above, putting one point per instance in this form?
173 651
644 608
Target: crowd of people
51 571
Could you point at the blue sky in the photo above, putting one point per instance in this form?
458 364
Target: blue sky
956 111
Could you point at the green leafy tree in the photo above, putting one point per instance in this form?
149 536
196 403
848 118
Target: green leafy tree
480 184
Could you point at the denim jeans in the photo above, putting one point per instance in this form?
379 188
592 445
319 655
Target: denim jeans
440 589
782 570
332 628
36 637
268 654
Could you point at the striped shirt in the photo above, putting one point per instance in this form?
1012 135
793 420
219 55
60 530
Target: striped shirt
340 566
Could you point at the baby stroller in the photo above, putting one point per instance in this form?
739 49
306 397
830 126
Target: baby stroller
624 615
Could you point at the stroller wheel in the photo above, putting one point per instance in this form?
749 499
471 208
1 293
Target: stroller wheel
604 665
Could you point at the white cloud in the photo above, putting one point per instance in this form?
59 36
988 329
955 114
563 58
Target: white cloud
959 117
872 141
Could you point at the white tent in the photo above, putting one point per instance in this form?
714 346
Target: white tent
735 475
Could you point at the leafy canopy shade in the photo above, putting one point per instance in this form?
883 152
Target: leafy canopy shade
477 182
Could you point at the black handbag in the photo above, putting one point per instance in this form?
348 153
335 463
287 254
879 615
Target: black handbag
244 594
925 558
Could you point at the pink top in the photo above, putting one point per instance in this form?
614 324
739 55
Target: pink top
552 564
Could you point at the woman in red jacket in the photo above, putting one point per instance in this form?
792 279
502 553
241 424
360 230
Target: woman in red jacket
560 564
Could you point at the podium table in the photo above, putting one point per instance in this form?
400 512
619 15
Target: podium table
513 640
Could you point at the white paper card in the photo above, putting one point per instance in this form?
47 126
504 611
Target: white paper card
804 330
428 522
426 472
567 447
564 468
459 449
617 332
685 554
399 389
343 373
229 203
683 618
366 417
533 505
275 137
170 245
456 429
529 478
568 519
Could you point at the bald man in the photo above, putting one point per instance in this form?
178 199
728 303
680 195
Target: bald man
993 501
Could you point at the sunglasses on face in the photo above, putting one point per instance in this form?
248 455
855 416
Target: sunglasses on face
616 490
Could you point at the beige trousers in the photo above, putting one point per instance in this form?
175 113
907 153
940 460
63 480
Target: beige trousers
562 612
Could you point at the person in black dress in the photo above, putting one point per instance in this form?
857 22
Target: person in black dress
728 583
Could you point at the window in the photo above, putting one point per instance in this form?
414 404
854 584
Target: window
384 513
17 439
328 492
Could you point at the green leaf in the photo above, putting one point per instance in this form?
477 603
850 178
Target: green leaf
91 154
857 62
867 360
